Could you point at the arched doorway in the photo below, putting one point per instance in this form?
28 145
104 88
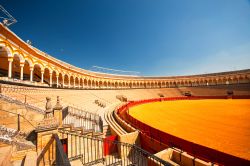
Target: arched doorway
66 81
16 69
71 82
85 82
26 70
46 76
81 83
76 82
37 73
54 79
60 80
89 84
4 63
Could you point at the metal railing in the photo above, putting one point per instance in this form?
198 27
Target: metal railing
71 114
80 118
23 100
22 94
93 150
52 153
16 129
19 117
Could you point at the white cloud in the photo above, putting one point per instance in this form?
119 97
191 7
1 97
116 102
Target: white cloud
236 58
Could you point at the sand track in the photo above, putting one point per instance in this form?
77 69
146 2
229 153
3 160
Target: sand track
219 124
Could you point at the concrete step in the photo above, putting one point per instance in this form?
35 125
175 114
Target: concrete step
5 155
76 162
106 131
9 117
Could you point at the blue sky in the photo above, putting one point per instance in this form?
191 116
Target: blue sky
153 37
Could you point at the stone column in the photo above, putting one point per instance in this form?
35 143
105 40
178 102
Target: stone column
10 60
42 74
21 71
50 79
74 82
31 74
58 111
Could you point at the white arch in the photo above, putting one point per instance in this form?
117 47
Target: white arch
47 67
38 64
20 57
7 48
31 64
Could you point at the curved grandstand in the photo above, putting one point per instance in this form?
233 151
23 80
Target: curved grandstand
91 123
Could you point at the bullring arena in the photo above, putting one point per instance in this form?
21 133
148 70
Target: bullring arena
53 113
199 121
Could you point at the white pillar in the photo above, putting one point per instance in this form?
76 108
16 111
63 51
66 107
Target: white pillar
74 82
42 74
21 71
50 79
57 77
10 67
31 74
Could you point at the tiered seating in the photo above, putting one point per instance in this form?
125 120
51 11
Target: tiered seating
37 97
219 90
140 94
9 116
85 99
109 118
13 136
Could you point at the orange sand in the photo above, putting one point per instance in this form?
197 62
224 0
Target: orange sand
220 124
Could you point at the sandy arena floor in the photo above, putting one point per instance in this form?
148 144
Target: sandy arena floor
220 124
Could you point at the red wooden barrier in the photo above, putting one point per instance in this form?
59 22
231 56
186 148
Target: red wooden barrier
109 147
65 145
